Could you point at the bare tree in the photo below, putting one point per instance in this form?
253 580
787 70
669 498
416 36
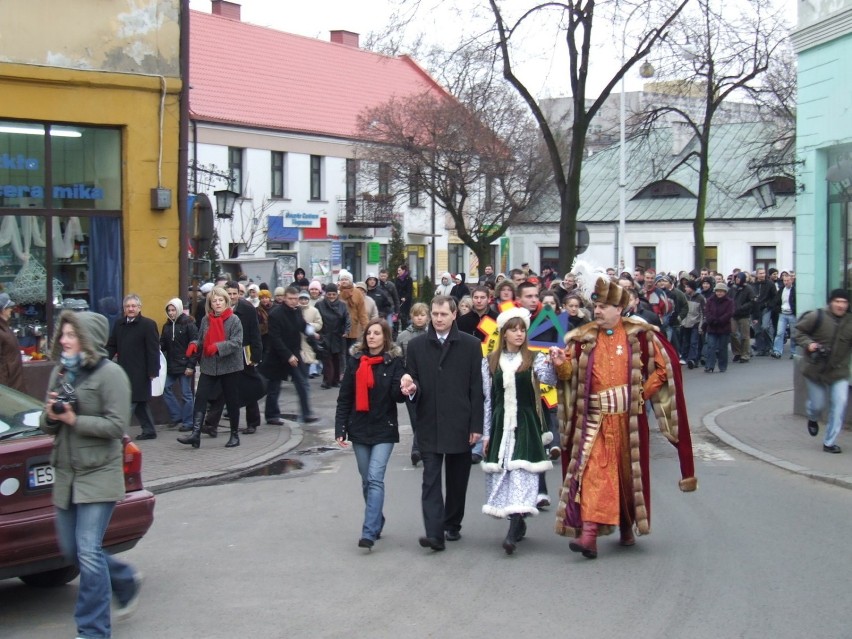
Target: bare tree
478 158
716 52
575 20
248 226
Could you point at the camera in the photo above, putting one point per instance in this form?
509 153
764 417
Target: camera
66 397
821 353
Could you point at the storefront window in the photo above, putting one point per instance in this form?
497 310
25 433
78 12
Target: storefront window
65 251
839 222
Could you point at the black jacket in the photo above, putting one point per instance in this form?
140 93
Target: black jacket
286 326
379 425
764 297
383 300
247 315
743 297
137 346
449 398
335 324
468 323
174 340
404 291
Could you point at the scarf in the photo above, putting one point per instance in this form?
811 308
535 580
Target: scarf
215 332
364 381
70 366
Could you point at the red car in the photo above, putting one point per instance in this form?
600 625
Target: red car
28 546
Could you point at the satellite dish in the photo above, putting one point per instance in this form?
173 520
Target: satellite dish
201 231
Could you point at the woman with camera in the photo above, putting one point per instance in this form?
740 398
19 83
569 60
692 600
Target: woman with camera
88 410
220 345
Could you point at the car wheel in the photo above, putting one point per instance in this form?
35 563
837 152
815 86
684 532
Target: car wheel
51 578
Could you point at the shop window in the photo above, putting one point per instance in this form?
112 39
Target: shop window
763 257
50 219
548 256
279 164
645 257
711 258
456 258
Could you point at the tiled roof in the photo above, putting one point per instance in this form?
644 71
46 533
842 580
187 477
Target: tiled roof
254 76
649 159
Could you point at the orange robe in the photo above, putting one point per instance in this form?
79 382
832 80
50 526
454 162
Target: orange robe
606 478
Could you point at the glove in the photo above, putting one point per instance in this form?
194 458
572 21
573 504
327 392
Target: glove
211 350
192 349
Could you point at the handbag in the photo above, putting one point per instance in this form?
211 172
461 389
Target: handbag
252 386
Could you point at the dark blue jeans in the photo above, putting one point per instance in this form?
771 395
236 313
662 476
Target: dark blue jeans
717 348
80 530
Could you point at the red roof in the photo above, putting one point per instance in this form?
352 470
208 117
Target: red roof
255 76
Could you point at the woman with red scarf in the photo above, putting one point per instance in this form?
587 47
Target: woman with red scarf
366 416
220 340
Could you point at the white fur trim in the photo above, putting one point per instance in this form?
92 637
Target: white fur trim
505 316
546 438
502 513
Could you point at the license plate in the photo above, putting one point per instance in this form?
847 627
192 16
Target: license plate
40 476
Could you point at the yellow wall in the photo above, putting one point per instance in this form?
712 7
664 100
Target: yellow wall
131 102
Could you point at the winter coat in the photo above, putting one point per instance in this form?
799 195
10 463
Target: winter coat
764 294
312 316
286 327
833 333
247 315
136 345
379 425
718 312
11 366
404 290
743 296
406 336
175 337
229 357
335 324
389 288
87 458
358 315
459 291
445 289
383 300
449 397
779 298
695 311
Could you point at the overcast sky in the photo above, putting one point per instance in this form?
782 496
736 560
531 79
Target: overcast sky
544 70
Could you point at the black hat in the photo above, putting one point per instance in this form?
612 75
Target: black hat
838 293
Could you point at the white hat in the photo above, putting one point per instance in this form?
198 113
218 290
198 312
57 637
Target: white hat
505 316
345 275
206 288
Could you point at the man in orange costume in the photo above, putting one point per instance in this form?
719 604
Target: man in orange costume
616 364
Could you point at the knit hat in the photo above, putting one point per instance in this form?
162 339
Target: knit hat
361 285
279 291
838 293
345 275
721 286
315 285
691 284
505 316
331 287
265 294
305 295
206 288
5 302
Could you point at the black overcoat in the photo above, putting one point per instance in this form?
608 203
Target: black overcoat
449 398
284 339
137 345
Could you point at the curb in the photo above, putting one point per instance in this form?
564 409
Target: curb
208 478
709 422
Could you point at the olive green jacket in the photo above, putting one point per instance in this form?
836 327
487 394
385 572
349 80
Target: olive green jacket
810 328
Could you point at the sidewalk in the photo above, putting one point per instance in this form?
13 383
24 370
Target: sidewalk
168 465
766 429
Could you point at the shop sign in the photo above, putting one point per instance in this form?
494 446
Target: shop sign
301 219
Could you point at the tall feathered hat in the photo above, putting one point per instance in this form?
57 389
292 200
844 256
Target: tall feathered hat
597 286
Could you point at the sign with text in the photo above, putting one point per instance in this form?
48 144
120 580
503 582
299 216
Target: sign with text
301 219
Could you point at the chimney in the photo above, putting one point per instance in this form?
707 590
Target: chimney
349 38
226 9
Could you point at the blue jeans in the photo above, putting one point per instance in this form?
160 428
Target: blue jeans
836 393
299 375
372 462
763 336
717 347
689 343
177 412
785 320
80 530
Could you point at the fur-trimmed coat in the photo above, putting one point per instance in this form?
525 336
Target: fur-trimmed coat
644 341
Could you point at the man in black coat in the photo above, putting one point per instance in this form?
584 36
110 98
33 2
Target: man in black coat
135 344
253 347
445 381
283 357
405 290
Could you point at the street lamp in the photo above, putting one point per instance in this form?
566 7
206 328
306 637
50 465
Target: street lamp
225 200
646 71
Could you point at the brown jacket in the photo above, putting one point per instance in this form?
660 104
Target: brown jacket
11 368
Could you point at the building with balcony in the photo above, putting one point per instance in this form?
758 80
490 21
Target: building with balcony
274 118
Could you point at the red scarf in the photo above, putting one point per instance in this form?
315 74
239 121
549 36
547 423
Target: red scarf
215 332
364 381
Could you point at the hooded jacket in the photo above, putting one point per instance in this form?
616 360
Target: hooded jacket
175 338
445 289
87 457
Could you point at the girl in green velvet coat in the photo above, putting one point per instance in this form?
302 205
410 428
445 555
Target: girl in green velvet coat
515 430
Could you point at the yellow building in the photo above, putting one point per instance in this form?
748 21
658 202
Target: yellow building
89 146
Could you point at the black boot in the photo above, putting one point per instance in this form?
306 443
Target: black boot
235 436
511 540
194 438
522 528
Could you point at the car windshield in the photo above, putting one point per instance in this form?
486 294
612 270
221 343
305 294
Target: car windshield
19 413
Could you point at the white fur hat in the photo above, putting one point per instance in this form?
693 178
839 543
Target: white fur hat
505 316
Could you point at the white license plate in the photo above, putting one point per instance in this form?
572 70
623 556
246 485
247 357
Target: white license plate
40 476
